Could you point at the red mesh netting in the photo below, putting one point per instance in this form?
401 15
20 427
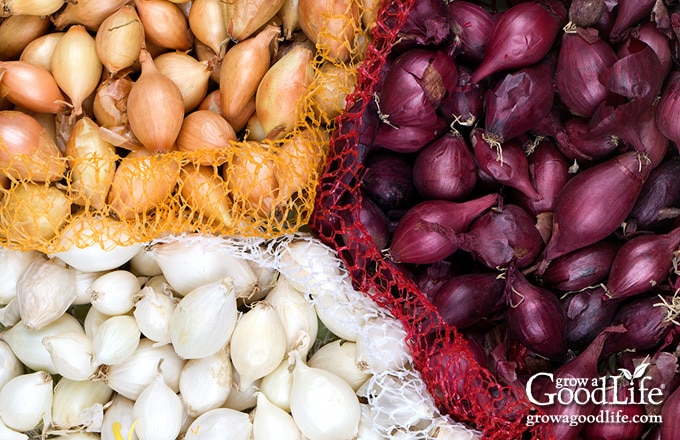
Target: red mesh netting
460 386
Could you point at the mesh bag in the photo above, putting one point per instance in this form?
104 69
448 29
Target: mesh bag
255 184
461 387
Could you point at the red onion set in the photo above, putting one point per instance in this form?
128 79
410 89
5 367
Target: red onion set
522 166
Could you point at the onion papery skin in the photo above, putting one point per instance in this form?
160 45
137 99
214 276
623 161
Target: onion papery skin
579 67
642 263
507 164
464 105
426 232
576 142
518 103
581 218
521 36
426 23
549 172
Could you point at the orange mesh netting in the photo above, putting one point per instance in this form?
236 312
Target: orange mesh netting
90 168
460 386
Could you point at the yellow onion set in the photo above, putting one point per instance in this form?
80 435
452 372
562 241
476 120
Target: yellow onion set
169 116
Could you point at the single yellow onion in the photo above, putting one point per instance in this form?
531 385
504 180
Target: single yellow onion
155 108
243 67
165 25
40 50
290 17
331 24
76 67
92 164
142 182
17 32
32 213
119 39
89 13
206 21
208 132
250 178
27 151
279 95
205 193
244 17
29 7
31 86
329 90
190 75
300 159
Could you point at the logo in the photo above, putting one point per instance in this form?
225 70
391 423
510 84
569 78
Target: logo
624 389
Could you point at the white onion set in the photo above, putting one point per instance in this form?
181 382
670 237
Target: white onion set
219 364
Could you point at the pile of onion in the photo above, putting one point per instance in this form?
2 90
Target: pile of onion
216 112
524 167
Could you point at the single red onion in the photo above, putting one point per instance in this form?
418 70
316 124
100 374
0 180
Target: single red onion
549 172
416 83
426 233
582 268
499 237
642 263
647 321
627 14
629 426
465 104
654 143
668 112
659 200
588 313
535 316
594 203
375 221
580 66
521 36
445 169
586 13
465 299
410 138
585 365
388 180
507 164
471 26
670 414
426 24
518 103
